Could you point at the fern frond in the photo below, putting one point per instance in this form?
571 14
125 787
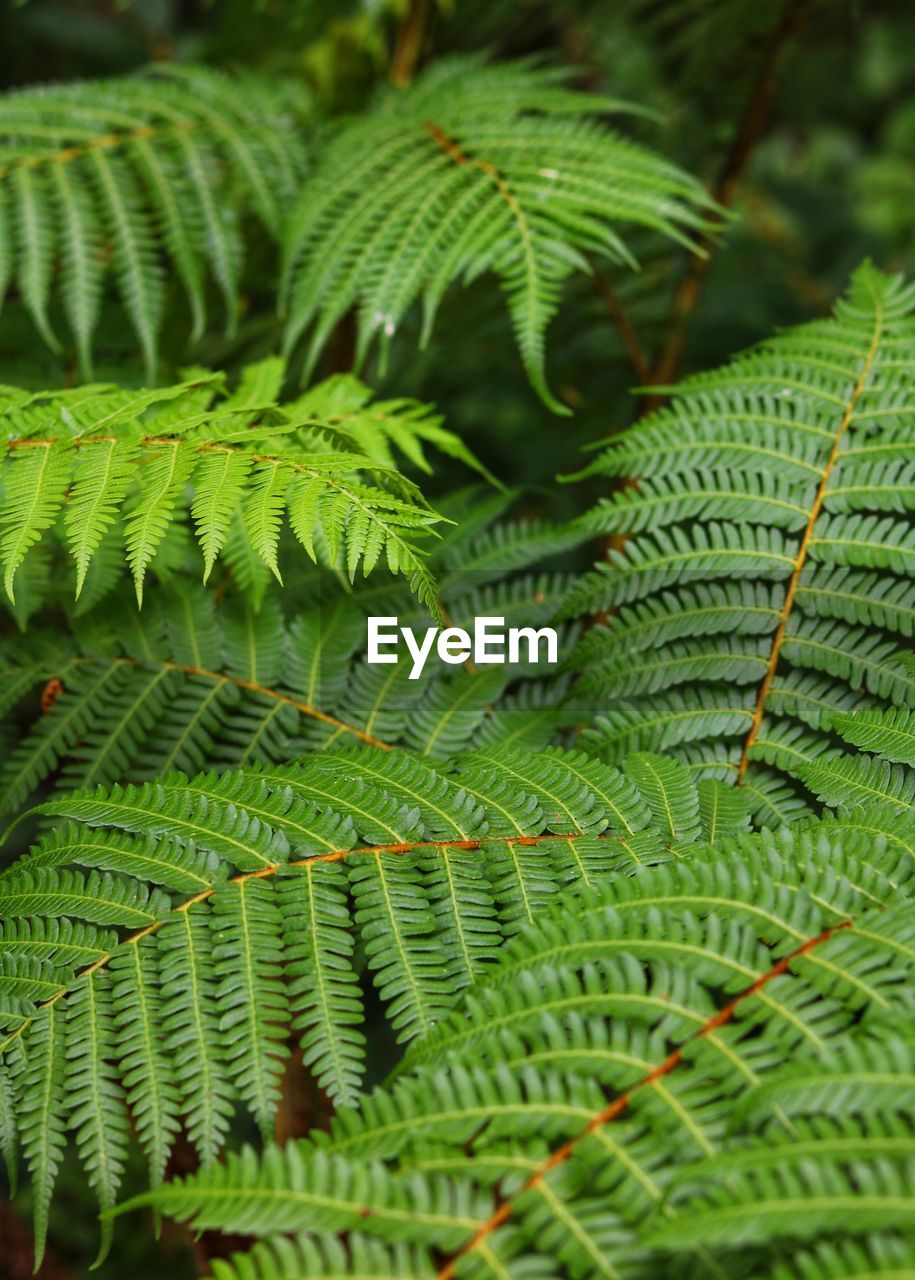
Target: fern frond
472 169
98 1115
199 685
138 176
877 1257
41 1116
500 903
890 734
800 1199
643 1062
760 602
324 1256
839 779
82 460
332 1189
342 407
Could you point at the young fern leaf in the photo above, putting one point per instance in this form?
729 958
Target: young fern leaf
342 406
100 483
760 600
86 459
472 169
138 176
35 482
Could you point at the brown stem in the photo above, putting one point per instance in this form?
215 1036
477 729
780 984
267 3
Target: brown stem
55 686
104 142
271 869
753 123
804 547
409 44
622 1101
623 324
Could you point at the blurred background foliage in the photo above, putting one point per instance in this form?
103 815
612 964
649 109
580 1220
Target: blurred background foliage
798 114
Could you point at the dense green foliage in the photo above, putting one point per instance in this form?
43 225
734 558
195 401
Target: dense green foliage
595 966
767 584
186 1011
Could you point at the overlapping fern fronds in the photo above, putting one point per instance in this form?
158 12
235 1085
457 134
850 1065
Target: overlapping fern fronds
763 598
198 685
698 1065
639 1160
429 869
192 682
161 942
134 178
473 169
108 470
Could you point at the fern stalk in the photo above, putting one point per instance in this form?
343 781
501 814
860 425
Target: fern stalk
557 1157
804 547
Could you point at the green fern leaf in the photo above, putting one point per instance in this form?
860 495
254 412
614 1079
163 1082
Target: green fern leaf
156 165
473 169
761 598
98 1115
850 780
540 928
36 480
41 1118
507 1100
131 456
889 733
